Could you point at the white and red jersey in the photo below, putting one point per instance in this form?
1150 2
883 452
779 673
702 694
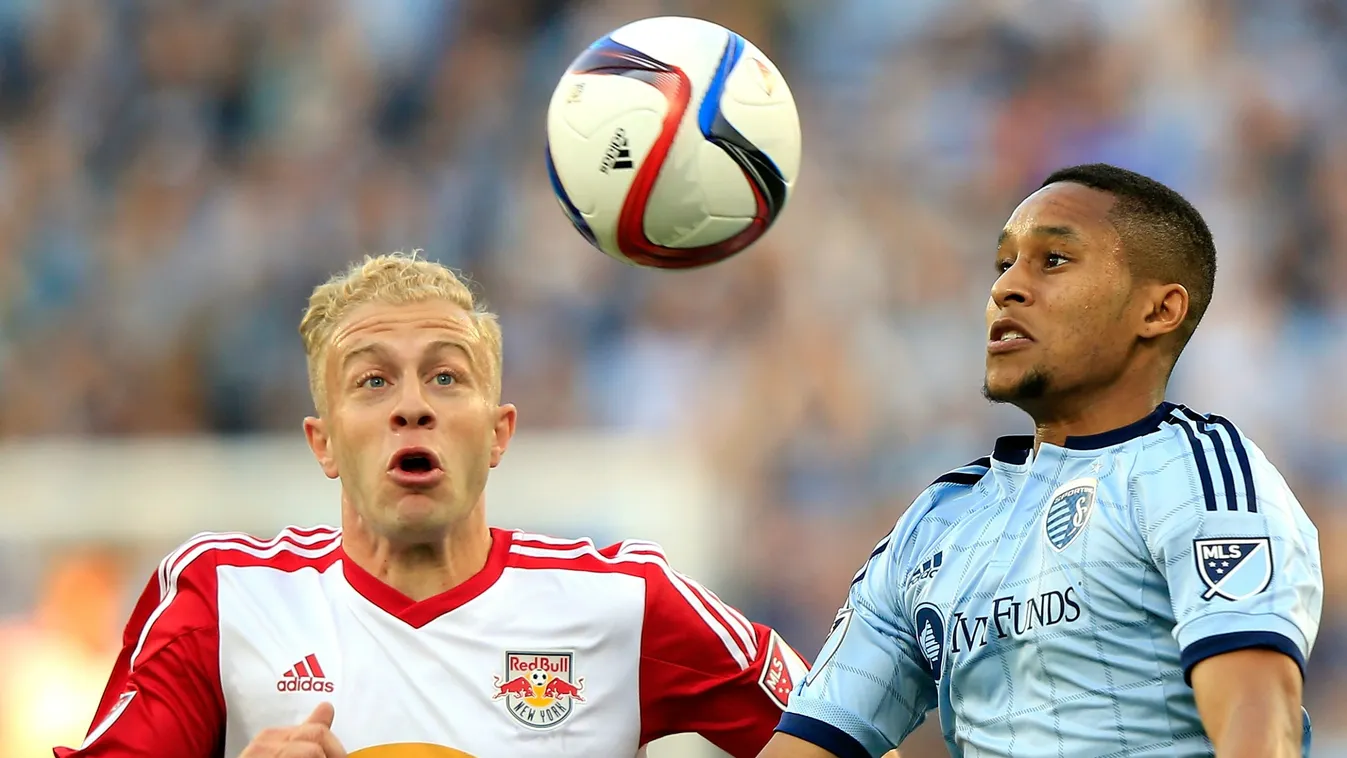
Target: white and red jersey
555 648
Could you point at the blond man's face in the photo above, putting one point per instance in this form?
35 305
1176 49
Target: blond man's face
412 426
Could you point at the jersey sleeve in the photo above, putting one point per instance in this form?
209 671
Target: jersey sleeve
1239 555
163 699
870 686
704 667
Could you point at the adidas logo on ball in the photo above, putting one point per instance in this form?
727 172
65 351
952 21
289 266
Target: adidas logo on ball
618 156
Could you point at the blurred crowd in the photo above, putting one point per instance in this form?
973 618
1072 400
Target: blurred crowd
176 176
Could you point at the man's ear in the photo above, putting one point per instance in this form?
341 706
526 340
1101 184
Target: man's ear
1166 307
506 416
315 431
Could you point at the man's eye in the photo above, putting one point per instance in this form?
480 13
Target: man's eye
1056 259
373 382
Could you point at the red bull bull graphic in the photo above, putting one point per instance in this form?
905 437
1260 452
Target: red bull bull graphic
539 688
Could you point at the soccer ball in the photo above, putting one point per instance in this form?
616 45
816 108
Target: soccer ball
672 143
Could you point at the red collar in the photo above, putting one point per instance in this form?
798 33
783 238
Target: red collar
418 614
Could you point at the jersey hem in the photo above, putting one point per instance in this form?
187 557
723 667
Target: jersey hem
1210 647
822 734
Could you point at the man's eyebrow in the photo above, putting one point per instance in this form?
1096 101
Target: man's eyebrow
1063 232
379 352
440 346
376 350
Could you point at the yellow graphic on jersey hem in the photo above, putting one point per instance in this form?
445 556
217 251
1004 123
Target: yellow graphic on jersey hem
409 750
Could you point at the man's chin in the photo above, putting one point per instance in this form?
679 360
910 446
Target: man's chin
415 528
1027 387
415 510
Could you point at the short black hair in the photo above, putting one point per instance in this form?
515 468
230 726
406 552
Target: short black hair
1163 234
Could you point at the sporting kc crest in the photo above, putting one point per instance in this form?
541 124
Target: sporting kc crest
540 689
1069 512
1234 569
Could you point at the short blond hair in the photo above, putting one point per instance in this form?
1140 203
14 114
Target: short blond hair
393 279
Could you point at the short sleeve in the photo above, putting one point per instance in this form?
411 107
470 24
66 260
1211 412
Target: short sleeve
1238 553
870 686
705 668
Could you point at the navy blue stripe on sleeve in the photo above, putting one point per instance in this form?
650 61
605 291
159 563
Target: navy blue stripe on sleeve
822 734
880 548
960 477
1241 457
1199 459
969 474
1210 647
1222 461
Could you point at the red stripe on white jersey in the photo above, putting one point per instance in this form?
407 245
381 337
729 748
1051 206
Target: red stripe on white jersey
650 555
304 543
542 540
309 536
735 620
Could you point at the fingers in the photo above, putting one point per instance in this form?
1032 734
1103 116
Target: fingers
323 714
319 735
284 749
332 746
317 729
313 738
309 750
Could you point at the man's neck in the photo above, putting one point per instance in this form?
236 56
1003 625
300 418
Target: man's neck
1093 413
419 570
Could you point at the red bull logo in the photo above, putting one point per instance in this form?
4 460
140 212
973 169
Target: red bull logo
539 689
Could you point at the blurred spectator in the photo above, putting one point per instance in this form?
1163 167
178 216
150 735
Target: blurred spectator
55 661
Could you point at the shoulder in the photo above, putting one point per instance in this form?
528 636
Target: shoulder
967 475
673 603
941 502
930 515
1181 431
1203 466
640 558
182 596
1213 456
292 548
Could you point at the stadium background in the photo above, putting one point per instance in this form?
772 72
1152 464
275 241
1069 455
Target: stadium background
175 177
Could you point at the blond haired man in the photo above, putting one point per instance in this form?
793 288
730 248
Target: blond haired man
402 633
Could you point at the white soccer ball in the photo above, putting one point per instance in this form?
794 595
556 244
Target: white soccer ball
672 143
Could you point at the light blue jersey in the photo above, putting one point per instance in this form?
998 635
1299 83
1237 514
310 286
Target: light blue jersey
1054 604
